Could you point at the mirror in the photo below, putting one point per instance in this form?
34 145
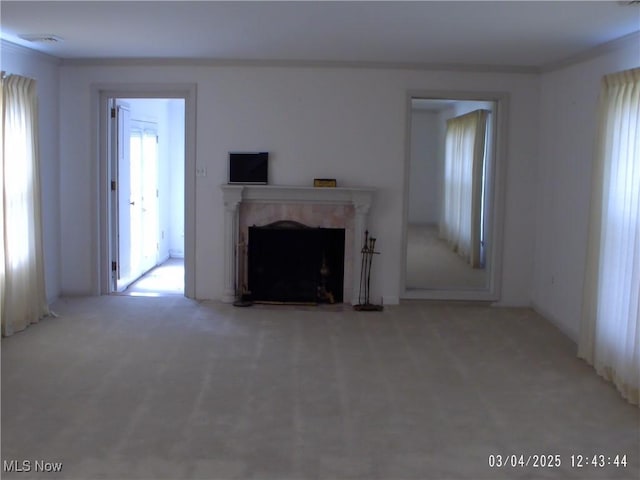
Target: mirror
450 235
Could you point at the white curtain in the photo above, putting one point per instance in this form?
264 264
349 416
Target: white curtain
22 290
460 221
610 325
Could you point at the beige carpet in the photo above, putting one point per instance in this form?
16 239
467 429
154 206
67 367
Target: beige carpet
127 387
431 264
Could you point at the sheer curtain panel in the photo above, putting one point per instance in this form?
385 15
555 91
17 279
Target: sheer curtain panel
609 330
22 288
460 223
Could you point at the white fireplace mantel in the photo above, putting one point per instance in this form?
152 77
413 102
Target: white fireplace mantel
233 195
358 197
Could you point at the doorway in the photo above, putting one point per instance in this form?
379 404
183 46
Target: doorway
453 196
147 214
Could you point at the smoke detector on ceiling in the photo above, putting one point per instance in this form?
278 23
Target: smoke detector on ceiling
40 37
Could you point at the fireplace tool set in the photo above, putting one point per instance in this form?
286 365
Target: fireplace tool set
368 251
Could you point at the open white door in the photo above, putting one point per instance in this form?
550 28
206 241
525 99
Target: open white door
124 202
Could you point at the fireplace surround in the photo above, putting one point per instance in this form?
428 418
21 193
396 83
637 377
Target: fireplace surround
248 205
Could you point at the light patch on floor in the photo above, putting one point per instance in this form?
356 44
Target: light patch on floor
165 279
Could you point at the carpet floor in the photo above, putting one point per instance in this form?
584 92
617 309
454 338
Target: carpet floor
431 264
123 387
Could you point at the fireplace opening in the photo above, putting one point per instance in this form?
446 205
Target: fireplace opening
289 262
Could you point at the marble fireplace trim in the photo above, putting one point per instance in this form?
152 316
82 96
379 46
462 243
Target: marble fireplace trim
342 207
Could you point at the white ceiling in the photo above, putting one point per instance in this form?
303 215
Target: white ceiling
507 34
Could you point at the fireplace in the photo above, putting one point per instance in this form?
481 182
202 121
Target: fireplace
289 262
342 208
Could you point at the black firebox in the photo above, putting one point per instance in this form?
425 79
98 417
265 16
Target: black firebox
290 262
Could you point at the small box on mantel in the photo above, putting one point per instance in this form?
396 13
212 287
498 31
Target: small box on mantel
324 182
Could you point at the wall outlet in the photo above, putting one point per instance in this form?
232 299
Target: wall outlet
201 171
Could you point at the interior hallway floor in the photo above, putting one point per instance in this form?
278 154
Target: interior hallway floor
431 264
165 279
124 387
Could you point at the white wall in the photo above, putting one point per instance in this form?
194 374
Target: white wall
43 68
568 116
424 171
441 127
315 122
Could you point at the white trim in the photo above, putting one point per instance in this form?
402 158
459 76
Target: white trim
494 254
447 295
299 194
22 50
573 336
100 93
212 62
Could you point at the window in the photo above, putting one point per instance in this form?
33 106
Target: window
22 289
610 330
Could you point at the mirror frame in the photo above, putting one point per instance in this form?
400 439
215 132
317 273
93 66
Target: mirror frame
496 209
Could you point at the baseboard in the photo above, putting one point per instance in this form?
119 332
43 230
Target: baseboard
555 322
391 300
176 254
53 299
386 300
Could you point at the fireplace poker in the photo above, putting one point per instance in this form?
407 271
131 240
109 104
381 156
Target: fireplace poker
372 251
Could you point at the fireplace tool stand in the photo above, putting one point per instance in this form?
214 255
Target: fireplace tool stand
367 252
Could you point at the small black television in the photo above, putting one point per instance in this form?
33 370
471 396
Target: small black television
249 167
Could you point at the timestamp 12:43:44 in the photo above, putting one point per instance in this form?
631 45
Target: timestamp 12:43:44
598 460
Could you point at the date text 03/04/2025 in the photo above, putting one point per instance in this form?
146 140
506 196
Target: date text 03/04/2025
598 460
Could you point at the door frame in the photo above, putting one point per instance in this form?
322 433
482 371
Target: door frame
495 198
101 94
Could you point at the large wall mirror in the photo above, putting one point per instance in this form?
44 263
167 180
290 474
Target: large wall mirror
453 226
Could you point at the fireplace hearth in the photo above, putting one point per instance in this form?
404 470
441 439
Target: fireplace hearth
289 262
